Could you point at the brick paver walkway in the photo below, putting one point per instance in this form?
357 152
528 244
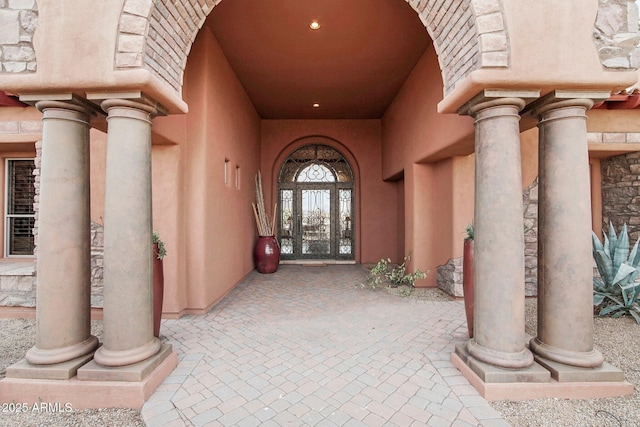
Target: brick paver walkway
305 346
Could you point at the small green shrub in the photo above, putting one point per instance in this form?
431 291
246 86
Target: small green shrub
616 293
162 251
385 272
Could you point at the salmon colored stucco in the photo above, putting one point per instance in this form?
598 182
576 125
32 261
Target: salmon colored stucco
413 165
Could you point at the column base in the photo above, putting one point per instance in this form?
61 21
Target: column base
497 358
591 359
565 373
38 356
131 373
116 358
528 390
488 373
90 394
56 371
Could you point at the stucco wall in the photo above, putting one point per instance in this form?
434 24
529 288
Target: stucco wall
359 141
215 218
412 128
438 193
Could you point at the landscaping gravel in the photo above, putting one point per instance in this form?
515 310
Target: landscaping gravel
618 339
16 337
619 342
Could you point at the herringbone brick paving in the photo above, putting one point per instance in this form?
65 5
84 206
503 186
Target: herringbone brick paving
306 346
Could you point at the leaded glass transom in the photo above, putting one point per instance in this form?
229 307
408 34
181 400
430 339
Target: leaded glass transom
315 163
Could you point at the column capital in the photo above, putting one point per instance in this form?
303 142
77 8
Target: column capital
125 108
131 99
498 97
61 101
565 99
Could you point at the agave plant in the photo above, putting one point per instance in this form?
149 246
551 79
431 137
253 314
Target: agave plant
616 290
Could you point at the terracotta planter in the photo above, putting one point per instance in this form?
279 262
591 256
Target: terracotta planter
467 283
158 291
266 254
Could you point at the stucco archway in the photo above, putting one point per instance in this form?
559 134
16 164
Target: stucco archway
157 36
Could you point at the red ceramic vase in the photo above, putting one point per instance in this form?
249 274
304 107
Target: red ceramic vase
467 283
266 254
158 291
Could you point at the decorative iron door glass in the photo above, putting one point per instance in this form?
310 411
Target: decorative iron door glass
315 205
316 222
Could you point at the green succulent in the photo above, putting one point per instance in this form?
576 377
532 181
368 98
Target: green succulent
162 251
470 232
616 291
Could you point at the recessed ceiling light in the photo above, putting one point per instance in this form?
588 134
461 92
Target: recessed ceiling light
314 24
316 105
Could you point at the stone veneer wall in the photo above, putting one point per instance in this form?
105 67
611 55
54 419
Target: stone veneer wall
621 193
18 19
450 274
97 264
616 34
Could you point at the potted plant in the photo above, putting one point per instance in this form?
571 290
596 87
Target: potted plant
159 252
467 277
266 252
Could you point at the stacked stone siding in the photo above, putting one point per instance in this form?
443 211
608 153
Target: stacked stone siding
97 264
449 277
18 20
18 289
616 34
530 212
621 193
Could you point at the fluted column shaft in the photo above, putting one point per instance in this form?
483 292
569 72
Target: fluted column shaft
63 310
565 266
499 337
128 257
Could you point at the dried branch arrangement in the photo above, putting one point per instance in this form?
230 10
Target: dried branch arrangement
265 227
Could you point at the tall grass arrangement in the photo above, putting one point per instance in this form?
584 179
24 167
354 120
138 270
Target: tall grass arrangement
266 226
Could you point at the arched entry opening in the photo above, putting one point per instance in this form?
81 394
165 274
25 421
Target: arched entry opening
316 205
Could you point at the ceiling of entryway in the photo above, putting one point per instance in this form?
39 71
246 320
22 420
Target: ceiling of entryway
352 66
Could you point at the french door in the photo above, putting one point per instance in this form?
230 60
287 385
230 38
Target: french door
316 207
316 222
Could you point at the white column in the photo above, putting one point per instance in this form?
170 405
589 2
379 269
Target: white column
63 310
128 272
499 337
